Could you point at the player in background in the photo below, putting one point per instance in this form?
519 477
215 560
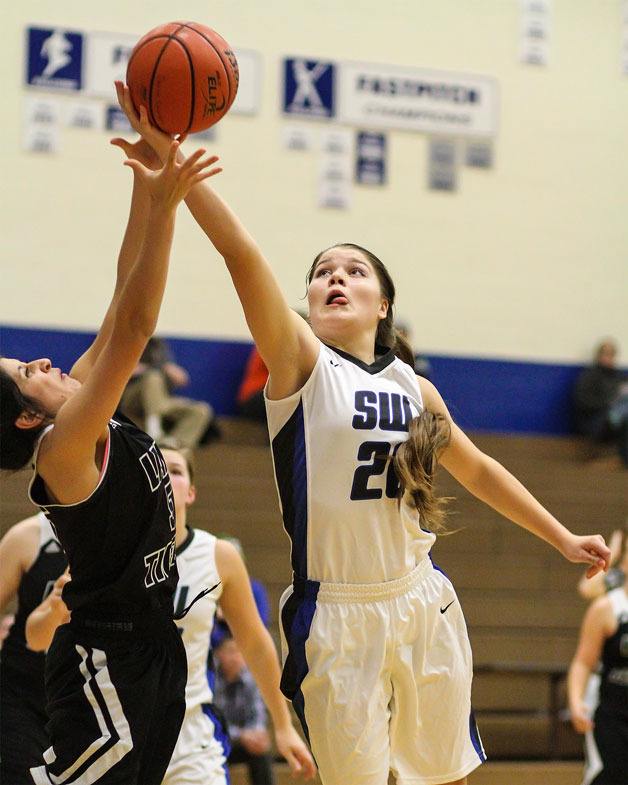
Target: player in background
33 567
603 648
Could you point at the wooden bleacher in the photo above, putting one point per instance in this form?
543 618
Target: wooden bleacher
519 595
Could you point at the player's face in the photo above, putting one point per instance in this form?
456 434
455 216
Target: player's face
182 488
39 380
345 294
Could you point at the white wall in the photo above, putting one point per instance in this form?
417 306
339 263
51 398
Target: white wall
527 260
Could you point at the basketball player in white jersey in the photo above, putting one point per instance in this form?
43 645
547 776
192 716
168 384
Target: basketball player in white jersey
203 560
378 662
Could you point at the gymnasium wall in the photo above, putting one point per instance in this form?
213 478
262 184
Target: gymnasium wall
507 283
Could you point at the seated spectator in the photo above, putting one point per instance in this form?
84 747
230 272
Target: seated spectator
237 697
149 401
251 393
601 401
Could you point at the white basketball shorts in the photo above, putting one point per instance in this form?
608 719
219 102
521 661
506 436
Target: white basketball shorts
200 757
380 676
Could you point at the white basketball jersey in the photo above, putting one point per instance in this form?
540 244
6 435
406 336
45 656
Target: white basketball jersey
331 444
196 563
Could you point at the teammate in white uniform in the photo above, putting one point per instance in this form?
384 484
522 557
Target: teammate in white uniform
200 755
378 663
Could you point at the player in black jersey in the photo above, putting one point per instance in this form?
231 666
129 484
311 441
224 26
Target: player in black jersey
32 562
604 638
115 675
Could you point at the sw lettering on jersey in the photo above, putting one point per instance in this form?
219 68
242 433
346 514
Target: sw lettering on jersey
390 411
159 563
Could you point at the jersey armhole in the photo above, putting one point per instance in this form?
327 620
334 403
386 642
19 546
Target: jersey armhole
296 395
103 471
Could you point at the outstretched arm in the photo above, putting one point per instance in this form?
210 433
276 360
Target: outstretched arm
67 459
285 342
129 252
490 482
258 649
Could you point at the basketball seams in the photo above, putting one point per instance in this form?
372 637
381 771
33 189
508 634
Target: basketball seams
157 73
152 81
192 81
218 52
137 50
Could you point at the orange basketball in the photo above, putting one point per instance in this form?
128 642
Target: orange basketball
185 75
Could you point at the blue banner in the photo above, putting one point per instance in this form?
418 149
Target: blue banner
54 58
309 87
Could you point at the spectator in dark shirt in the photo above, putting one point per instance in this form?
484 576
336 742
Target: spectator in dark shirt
601 401
237 697
149 401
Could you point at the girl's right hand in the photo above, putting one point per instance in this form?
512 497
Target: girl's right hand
170 184
158 140
580 718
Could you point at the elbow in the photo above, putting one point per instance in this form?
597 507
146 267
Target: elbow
33 642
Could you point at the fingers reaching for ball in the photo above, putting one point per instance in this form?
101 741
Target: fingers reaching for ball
170 184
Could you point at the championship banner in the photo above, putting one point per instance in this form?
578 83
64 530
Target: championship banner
419 100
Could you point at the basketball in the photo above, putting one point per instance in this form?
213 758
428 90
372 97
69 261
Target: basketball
186 76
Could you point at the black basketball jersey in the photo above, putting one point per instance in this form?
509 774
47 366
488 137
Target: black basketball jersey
120 541
36 584
614 679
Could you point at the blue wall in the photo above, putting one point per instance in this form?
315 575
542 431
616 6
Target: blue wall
490 395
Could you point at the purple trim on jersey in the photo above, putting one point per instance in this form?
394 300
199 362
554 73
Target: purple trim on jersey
437 568
291 472
475 737
220 734
296 620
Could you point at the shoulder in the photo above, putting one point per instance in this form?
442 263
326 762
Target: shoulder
22 540
601 615
26 530
229 563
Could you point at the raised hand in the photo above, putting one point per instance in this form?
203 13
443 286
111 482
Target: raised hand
170 184
157 140
139 151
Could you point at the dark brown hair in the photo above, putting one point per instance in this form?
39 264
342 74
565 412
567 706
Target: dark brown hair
16 444
387 335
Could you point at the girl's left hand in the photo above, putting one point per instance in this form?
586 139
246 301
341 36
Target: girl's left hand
589 549
293 749
170 184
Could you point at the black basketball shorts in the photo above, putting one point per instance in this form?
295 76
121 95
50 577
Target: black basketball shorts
116 703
